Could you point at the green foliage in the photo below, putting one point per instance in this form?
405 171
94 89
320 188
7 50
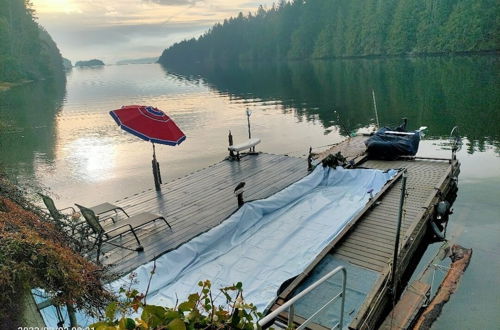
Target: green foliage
303 29
197 312
27 51
34 253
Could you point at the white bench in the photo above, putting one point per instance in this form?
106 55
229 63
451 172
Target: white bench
251 143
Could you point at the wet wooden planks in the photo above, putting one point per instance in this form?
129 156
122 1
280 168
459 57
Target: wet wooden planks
371 242
353 149
199 201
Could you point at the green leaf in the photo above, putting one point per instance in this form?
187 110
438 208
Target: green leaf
171 315
111 311
153 315
176 324
99 325
235 319
127 323
186 306
194 297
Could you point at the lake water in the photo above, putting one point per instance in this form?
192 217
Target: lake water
63 139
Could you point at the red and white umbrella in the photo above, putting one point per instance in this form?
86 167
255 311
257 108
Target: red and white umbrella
150 124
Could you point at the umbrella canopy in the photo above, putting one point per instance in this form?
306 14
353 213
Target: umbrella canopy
148 123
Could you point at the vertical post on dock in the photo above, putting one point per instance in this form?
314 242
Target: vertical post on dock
375 109
238 191
398 233
230 138
249 112
309 160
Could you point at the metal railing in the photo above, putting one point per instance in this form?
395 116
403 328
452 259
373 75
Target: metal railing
290 303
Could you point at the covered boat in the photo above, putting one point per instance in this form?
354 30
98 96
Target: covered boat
390 144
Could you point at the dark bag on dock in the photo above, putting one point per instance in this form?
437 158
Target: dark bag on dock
392 145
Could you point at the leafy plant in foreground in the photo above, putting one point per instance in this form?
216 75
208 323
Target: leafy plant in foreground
197 312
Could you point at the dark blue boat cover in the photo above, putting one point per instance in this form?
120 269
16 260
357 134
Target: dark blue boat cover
391 146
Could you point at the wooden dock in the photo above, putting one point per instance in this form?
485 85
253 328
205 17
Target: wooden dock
198 202
369 244
201 200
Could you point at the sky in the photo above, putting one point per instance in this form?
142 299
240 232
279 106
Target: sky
130 29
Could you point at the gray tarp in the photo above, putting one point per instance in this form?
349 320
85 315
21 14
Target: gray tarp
265 242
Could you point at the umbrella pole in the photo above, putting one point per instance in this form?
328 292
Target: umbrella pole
156 170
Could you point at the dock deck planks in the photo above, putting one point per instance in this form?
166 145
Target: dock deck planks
370 242
198 202
381 221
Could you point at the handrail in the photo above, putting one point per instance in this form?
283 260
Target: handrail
289 304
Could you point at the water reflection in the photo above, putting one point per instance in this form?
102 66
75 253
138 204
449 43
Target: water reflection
27 119
438 92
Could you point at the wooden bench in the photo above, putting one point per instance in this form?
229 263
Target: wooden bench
250 144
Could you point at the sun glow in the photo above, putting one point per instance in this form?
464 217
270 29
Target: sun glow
56 6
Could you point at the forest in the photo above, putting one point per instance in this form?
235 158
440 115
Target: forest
27 51
320 29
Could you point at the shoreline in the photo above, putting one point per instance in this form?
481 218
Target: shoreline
356 57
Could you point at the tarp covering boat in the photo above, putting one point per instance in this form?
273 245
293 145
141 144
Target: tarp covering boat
386 145
267 241
264 243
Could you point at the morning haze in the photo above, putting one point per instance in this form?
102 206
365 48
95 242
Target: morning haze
117 30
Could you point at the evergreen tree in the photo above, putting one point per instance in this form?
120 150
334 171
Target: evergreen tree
304 29
27 51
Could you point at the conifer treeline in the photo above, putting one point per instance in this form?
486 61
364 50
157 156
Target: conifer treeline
309 29
26 50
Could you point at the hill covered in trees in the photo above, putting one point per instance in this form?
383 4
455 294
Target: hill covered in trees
315 29
26 50
94 62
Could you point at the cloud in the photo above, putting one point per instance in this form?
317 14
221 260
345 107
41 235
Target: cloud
115 30
112 43
173 2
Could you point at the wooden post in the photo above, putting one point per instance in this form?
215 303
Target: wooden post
252 149
309 160
238 191
248 121
230 138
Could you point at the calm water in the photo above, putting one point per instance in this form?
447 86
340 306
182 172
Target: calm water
65 140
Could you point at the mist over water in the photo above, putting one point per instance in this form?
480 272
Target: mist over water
65 140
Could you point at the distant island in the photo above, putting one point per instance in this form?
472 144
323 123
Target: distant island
94 62
323 29
147 60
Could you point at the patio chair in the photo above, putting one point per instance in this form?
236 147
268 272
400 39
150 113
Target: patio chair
57 214
105 234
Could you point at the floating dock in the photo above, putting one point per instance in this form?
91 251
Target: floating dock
201 200
197 202
368 247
